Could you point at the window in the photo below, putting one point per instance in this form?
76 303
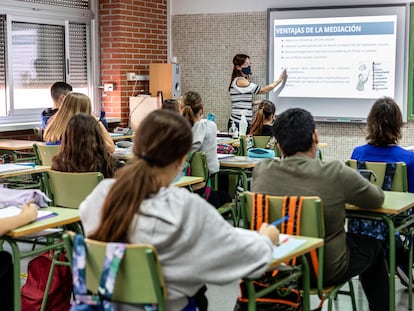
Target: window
37 50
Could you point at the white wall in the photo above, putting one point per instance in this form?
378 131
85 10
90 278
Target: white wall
229 6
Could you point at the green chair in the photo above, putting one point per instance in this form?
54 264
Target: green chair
38 132
45 153
199 168
247 141
399 182
139 279
312 224
70 189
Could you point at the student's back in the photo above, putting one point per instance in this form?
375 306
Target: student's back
58 92
263 119
73 104
141 206
83 148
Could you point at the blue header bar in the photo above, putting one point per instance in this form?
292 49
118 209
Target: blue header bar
336 29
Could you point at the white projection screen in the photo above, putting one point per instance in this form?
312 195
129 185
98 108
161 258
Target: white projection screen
339 59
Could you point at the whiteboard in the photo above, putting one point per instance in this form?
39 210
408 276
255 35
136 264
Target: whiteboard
339 59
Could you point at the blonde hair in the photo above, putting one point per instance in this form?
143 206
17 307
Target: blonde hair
73 104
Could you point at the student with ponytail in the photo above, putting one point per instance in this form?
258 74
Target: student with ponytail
263 119
142 206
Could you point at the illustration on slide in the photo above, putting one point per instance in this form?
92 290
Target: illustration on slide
362 77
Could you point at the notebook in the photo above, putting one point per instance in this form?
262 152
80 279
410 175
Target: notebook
15 210
287 244
11 167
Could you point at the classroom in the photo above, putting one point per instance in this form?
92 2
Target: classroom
112 50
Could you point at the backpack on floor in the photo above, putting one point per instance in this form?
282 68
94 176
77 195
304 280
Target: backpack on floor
60 289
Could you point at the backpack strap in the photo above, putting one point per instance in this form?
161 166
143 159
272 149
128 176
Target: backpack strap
361 165
113 258
260 210
390 169
187 164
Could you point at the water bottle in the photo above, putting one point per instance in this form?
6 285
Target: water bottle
211 117
243 123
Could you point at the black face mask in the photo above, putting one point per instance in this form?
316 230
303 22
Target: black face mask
246 70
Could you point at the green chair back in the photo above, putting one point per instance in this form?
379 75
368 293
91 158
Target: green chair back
139 279
258 142
399 182
45 153
199 166
312 224
70 189
312 219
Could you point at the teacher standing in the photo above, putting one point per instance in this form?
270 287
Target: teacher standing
242 89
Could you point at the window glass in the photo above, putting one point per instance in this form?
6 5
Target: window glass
38 59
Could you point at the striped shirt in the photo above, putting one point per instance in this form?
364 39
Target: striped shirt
241 99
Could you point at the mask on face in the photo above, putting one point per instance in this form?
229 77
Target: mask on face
178 177
247 70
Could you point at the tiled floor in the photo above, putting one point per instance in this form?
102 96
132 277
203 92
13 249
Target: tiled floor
222 298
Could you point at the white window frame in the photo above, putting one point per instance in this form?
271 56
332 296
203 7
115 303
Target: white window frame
17 11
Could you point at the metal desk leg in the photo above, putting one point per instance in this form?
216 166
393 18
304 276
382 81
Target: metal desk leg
410 275
391 261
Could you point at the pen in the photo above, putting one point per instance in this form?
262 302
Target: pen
279 221
283 241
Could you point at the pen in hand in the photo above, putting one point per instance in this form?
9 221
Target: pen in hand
279 221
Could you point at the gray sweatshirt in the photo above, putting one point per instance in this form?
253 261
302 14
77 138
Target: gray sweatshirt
205 140
195 244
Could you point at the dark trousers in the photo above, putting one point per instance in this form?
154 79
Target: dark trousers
367 259
6 281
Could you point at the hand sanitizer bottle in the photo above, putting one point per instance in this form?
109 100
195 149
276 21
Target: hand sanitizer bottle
233 130
243 123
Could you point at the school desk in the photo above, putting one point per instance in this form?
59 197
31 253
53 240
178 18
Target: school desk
24 170
185 181
16 144
310 244
392 213
64 216
238 165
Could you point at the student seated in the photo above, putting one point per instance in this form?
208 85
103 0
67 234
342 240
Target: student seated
204 139
171 104
83 148
194 243
384 125
58 92
74 103
263 119
301 173
28 214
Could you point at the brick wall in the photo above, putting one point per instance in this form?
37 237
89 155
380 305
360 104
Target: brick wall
133 34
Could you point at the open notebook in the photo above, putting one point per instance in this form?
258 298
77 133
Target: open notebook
287 244
15 210
10 167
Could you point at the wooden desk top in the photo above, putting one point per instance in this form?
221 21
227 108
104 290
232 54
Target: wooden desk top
28 171
311 243
64 216
239 162
122 137
188 181
395 203
16 144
